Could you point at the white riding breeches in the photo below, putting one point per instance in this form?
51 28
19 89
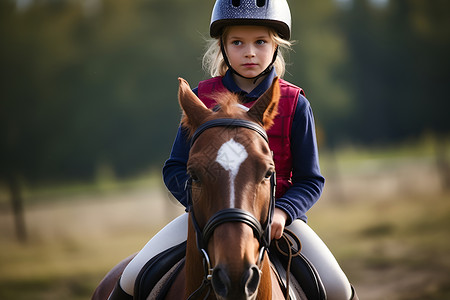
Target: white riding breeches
333 278
314 249
173 234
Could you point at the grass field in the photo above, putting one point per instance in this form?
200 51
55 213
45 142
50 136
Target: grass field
386 217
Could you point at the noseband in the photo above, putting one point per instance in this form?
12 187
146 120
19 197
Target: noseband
261 232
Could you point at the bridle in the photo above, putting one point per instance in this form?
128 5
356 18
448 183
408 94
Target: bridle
261 231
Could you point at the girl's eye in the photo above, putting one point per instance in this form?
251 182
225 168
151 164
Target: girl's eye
260 42
236 43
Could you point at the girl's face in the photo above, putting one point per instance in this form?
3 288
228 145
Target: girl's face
249 49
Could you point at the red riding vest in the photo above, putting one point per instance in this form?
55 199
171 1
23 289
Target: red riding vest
279 134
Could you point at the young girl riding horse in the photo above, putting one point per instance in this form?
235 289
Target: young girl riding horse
244 57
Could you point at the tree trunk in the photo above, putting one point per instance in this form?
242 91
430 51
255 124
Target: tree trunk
442 161
17 206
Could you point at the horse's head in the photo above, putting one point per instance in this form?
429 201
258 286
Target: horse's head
230 165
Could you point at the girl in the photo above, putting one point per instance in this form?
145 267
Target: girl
243 58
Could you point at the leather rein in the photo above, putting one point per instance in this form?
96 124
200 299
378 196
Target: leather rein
261 231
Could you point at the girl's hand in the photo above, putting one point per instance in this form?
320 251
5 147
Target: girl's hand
278 223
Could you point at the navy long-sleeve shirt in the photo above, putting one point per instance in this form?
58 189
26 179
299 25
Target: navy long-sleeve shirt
307 181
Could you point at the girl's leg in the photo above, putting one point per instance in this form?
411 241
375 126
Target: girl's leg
333 278
173 234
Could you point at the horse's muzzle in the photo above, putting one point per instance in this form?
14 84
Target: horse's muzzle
244 289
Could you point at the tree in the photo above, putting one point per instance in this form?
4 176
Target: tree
400 69
83 88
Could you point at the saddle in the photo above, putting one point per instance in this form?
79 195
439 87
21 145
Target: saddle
293 269
157 275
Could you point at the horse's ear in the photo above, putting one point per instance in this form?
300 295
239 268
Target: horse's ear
194 110
266 107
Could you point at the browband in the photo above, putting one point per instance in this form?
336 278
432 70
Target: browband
228 122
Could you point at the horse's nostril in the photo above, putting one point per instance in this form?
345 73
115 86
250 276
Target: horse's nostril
251 280
220 282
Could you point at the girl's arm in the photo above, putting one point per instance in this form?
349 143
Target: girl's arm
307 181
174 170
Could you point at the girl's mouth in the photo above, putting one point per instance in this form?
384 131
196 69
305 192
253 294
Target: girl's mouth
250 65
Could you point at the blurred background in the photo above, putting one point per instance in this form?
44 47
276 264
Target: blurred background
89 111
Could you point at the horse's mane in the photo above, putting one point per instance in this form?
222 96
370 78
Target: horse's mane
228 109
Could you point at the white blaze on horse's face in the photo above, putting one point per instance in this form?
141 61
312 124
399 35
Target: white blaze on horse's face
230 156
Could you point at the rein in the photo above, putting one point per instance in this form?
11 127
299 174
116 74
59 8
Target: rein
261 232
289 239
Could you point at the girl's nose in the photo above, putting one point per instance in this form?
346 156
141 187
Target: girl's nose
249 52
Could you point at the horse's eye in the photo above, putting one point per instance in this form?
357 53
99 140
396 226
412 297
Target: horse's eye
268 174
194 177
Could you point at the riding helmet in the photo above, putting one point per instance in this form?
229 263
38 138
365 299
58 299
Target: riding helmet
272 13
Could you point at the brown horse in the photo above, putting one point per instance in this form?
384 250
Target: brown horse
231 201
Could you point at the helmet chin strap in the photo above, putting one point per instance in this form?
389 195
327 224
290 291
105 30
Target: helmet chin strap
266 71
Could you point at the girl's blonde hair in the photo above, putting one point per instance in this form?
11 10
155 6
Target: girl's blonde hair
215 65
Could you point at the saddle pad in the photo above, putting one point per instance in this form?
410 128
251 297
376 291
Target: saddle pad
295 289
157 268
160 290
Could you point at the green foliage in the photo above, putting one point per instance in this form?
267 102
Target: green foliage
399 69
88 87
